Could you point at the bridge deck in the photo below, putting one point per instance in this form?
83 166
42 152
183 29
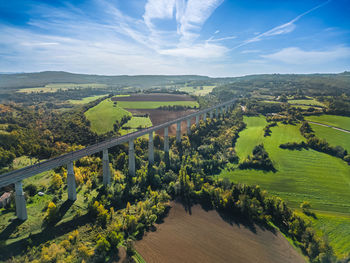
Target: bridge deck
20 174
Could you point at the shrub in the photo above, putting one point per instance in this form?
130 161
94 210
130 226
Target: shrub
31 189
51 213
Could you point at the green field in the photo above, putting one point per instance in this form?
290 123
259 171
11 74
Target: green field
332 136
306 102
333 120
87 99
304 175
134 123
61 86
104 115
155 104
198 91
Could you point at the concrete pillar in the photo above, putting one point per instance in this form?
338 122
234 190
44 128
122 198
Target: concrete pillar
131 158
178 131
166 140
188 126
205 117
106 172
197 120
72 191
211 114
216 113
150 148
21 209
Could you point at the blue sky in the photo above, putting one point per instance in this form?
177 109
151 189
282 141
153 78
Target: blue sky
206 37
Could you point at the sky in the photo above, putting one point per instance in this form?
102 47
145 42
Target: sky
204 37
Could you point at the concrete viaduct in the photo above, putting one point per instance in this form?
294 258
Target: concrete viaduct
16 177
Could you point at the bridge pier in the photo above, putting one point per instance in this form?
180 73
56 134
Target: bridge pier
188 126
166 140
21 209
211 114
106 172
197 121
131 158
150 148
216 112
178 131
205 117
71 185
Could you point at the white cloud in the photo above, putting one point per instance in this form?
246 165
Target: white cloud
202 51
281 29
295 55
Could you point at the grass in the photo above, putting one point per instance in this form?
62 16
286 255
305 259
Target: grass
197 90
154 104
53 87
104 115
332 136
312 102
305 175
134 123
251 137
333 120
86 99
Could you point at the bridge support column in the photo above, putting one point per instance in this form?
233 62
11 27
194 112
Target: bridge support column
131 158
211 114
216 112
166 140
72 191
197 121
188 126
150 148
106 172
21 209
178 131
205 117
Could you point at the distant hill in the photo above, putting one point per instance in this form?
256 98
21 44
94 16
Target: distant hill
27 80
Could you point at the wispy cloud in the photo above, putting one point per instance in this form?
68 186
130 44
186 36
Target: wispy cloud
281 29
295 55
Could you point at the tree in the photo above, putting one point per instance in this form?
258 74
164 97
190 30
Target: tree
56 181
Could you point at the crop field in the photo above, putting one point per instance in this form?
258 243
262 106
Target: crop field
304 175
155 104
197 234
61 86
333 120
160 116
333 136
87 99
104 115
311 102
198 91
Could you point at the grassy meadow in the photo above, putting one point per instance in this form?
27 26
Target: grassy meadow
333 136
198 91
53 87
104 115
305 175
86 99
333 120
134 123
312 102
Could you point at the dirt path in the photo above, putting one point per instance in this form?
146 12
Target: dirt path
330 126
205 237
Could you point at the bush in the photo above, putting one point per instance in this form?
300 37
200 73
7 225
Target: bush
51 213
31 189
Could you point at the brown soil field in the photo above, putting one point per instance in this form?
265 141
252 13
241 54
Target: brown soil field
154 97
202 236
160 116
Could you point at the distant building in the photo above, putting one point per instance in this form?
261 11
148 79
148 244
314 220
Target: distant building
5 199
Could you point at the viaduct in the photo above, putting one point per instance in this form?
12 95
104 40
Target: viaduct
16 177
